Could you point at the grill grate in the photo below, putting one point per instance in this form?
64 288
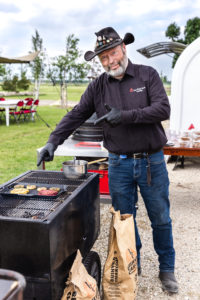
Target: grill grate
46 177
50 178
26 208
37 208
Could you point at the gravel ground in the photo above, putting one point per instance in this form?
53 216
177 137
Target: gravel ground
185 209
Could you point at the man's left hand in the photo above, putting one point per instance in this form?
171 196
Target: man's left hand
113 116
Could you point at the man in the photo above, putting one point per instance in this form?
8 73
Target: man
131 102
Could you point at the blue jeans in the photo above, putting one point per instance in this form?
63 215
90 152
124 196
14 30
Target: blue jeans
125 176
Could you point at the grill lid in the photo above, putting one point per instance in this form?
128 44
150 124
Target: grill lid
88 131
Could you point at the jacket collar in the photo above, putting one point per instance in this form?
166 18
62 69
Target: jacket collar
130 69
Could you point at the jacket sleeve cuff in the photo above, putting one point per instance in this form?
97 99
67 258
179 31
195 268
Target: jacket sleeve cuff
54 140
128 116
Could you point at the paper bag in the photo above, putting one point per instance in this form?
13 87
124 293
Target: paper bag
120 270
80 285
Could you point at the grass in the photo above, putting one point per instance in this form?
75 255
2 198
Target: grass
50 92
19 143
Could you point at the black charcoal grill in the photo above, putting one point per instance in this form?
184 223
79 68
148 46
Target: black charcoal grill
39 236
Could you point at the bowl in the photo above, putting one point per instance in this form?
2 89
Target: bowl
196 144
197 132
185 138
73 169
184 143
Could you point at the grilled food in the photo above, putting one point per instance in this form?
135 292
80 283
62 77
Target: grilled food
17 186
43 188
57 189
31 187
47 193
19 191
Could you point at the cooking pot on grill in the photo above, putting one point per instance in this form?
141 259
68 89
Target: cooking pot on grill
74 169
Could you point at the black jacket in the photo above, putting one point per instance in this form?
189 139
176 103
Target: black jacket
144 104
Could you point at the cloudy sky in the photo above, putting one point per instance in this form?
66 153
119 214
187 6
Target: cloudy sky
55 20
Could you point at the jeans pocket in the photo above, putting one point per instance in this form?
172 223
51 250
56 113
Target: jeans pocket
114 160
158 169
157 158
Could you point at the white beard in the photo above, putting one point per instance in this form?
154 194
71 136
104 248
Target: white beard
121 70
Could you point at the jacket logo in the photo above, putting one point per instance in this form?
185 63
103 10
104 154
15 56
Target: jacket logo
137 90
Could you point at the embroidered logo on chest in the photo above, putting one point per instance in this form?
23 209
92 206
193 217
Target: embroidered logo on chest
137 90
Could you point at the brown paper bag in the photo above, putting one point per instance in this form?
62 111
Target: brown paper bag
120 270
80 285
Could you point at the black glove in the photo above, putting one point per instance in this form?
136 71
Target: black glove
47 153
113 116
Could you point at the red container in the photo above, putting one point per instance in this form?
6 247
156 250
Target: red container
103 180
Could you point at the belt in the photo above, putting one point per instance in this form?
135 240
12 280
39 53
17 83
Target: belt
139 155
135 155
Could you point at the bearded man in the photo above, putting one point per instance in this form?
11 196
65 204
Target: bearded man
130 102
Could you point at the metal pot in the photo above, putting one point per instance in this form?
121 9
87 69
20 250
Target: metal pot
73 169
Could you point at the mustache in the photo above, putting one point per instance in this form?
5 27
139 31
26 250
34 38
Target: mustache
110 66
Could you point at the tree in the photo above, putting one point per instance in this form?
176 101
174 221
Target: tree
163 78
38 64
191 32
173 32
13 83
78 72
10 84
23 83
2 70
67 66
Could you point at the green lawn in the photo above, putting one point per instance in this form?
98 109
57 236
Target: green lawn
19 142
50 92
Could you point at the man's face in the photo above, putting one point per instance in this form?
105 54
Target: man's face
114 61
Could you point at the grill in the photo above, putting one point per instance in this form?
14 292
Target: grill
40 235
33 206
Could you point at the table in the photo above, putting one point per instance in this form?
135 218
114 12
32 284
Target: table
181 152
7 104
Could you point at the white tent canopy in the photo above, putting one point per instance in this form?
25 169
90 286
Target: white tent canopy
19 60
185 89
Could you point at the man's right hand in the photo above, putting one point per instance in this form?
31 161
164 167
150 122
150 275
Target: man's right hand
47 153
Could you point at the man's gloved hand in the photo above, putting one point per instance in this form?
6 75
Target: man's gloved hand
113 116
47 153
